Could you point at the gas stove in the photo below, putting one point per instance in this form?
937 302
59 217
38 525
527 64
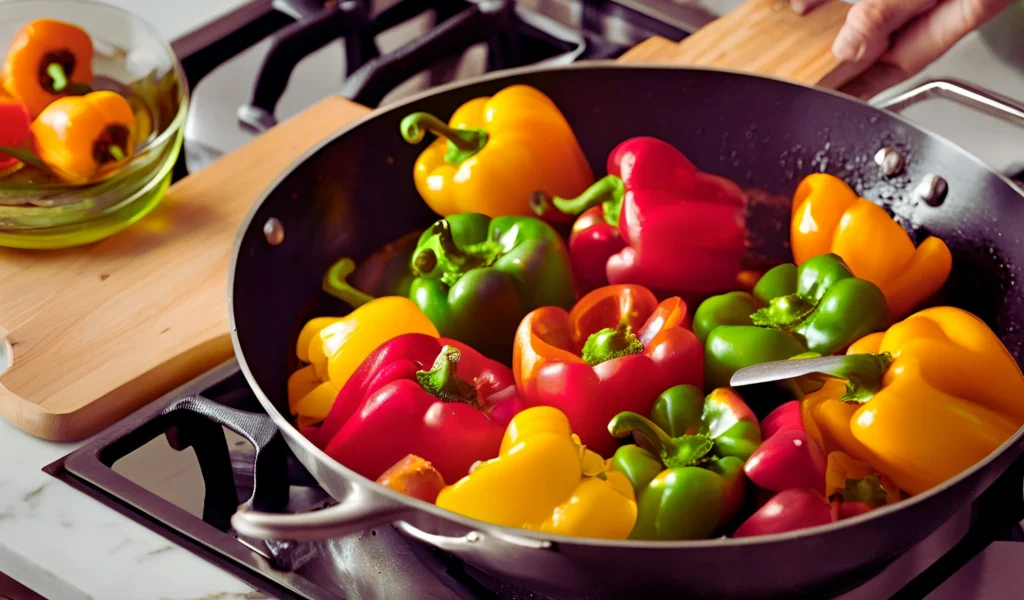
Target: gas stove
183 476
270 59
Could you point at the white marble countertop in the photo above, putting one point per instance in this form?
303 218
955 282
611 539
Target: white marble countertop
65 545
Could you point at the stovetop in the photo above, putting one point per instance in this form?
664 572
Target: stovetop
183 476
271 59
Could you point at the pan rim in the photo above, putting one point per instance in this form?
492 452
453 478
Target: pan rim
292 434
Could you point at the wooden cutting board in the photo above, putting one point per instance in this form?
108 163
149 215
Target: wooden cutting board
98 331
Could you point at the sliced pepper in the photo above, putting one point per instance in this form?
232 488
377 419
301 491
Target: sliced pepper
413 477
81 137
47 59
476 278
544 480
495 152
615 351
679 231
416 394
819 307
828 216
950 397
692 484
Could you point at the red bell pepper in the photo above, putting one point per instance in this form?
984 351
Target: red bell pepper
656 221
796 508
14 129
616 351
852 488
787 458
416 394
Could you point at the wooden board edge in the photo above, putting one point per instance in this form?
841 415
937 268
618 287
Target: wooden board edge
95 416
651 47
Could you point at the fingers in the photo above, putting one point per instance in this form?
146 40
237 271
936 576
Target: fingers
870 23
931 35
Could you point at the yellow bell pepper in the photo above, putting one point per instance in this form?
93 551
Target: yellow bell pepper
333 347
828 216
495 152
951 395
544 480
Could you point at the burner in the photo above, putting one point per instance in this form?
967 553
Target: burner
214 468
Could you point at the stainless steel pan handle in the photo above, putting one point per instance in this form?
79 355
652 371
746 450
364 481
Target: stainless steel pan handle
988 102
472 540
359 511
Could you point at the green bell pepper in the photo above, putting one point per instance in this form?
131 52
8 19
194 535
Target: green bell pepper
689 479
477 277
820 307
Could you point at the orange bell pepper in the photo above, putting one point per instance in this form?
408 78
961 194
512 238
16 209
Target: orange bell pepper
828 216
951 395
80 137
495 152
854 480
47 59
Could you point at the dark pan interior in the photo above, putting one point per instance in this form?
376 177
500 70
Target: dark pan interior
356 194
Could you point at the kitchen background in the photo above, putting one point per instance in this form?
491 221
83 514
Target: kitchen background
73 570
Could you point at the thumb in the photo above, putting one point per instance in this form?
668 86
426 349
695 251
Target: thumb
870 23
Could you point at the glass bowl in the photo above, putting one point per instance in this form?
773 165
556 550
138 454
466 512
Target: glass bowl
131 59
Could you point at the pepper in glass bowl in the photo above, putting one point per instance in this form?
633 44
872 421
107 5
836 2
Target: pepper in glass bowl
106 100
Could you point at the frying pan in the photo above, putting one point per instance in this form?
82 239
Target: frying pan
354 194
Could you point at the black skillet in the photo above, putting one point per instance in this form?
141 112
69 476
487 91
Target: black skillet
355 194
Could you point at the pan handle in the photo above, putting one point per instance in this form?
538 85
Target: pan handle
359 511
968 95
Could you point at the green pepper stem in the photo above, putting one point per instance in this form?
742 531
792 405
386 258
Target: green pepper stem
442 382
868 490
784 312
608 344
335 282
863 374
438 256
606 192
116 153
682 451
56 72
463 143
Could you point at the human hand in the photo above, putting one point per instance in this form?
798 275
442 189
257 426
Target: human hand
906 34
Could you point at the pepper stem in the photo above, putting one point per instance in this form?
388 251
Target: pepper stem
682 451
56 72
116 153
863 374
606 192
784 312
437 256
462 143
442 382
335 282
608 343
